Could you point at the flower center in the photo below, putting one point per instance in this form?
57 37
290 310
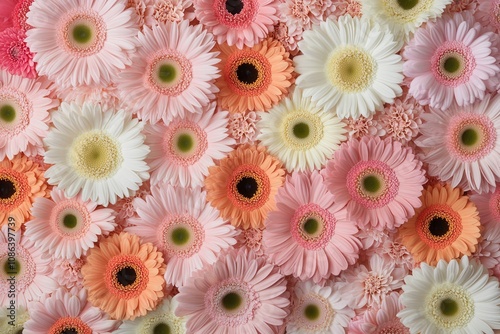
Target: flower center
351 69
247 187
167 73
452 64
70 221
12 267
406 11
82 32
439 226
371 184
234 6
7 113
15 111
170 73
407 4
95 155
312 313
302 130
7 189
231 301
69 325
248 72
126 276
14 189
312 227
449 306
161 328
182 236
184 143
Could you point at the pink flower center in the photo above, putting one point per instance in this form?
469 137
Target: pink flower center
249 187
439 226
126 276
247 73
312 227
184 142
14 189
375 284
453 63
181 236
15 111
235 14
169 73
372 184
69 325
495 14
470 136
70 219
494 205
393 326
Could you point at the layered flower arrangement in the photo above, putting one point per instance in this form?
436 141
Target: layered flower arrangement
249 166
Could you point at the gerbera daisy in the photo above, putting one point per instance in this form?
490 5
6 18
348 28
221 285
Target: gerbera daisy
24 114
488 205
240 293
184 227
244 184
26 274
15 56
350 65
81 42
446 226
21 181
19 14
67 227
488 248
318 310
308 236
454 297
488 13
182 150
380 181
172 72
403 16
105 95
6 8
7 326
161 320
451 60
300 134
462 144
67 312
98 152
124 276
253 78
238 22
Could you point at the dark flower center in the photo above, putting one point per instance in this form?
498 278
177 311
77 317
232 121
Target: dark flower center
439 226
7 113
185 143
234 6
451 65
12 267
69 331
161 328
371 184
70 220
167 73
7 189
448 307
312 312
126 276
469 137
407 4
301 130
82 33
247 73
311 226
231 301
247 187
180 236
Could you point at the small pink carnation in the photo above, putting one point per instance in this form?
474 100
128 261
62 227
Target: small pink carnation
242 126
363 126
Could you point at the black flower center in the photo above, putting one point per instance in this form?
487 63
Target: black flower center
247 73
247 187
69 331
234 6
439 226
407 4
126 276
7 189
161 328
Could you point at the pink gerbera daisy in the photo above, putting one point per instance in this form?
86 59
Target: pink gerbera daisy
27 273
240 293
451 60
19 14
6 8
67 227
81 42
309 236
188 230
24 114
379 180
488 205
488 13
238 22
68 312
462 144
173 72
15 56
182 150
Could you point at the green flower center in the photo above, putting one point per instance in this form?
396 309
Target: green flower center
301 130
312 312
185 143
438 226
451 65
231 301
126 276
407 4
351 69
371 184
7 189
161 328
247 187
247 73
70 220
82 34
234 6
180 236
469 137
7 113
12 267
448 307
167 73
311 226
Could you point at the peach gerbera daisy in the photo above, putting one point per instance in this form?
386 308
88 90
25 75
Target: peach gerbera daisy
244 185
445 227
124 277
253 78
21 181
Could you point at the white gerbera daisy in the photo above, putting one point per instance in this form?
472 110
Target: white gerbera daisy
161 320
403 16
454 297
350 65
300 134
100 153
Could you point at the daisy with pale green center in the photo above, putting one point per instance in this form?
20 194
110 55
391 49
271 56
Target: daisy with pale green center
350 65
300 134
100 153
455 297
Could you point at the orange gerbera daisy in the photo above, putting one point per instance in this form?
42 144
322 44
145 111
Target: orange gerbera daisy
124 277
244 185
253 78
446 226
21 181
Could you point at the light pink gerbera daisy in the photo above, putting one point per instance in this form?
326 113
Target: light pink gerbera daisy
182 150
68 312
238 22
451 60
309 236
81 42
379 180
173 72
488 13
24 114
462 144
240 293
26 274
67 227
15 56
188 230
488 205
